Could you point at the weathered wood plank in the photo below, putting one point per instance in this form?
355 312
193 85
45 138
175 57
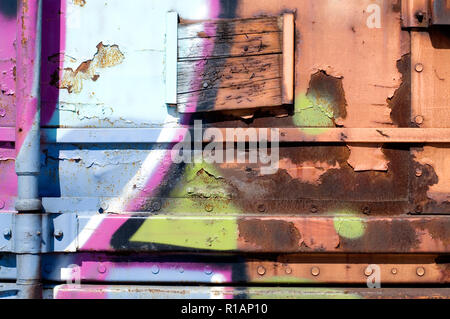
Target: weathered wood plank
261 93
224 73
223 28
288 59
230 46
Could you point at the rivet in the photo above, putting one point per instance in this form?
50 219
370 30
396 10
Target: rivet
2 112
189 190
394 271
181 270
419 119
315 271
48 268
418 209
418 172
58 234
420 271
208 270
156 205
101 268
209 208
155 269
419 67
366 210
7 232
2 204
205 85
261 208
368 271
313 209
261 270
38 233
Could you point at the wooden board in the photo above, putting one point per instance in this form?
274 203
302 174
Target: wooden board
231 64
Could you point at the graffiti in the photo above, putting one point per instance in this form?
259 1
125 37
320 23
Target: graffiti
148 197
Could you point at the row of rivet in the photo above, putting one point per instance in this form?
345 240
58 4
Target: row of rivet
315 271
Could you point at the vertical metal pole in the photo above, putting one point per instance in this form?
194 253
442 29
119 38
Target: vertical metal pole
28 221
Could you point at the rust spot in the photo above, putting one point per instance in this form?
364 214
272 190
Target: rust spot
387 235
400 102
328 90
202 34
80 3
272 235
437 230
106 56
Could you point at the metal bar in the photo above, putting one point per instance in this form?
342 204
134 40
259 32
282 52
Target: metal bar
7 134
28 224
223 292
263 234
174 135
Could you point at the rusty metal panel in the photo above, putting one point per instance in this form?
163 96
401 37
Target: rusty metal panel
354 103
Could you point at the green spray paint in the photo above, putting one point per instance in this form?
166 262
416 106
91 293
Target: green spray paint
348 225
202 190
200 233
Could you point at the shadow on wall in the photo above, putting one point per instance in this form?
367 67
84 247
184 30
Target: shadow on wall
52 51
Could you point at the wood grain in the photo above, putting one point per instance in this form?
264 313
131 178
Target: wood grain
229 64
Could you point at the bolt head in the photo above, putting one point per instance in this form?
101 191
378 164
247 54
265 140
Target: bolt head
419 172
156 205
261 208
155 269
101 268
58 234
315 271
420 271
419 67
7 232
314 209
208 270
288 270
419 119
261 270
209 208
394 271
368 271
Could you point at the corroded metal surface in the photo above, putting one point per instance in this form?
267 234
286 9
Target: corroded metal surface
351 177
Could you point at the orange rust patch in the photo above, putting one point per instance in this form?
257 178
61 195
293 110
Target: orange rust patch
368 157
271 235
438 159
318 236
106 56
307 172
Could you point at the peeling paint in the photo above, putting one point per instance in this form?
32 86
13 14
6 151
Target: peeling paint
367 157
437 158
323 104
80 3
106 56
307 172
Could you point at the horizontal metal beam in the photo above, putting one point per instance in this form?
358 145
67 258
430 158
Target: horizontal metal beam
264 234
223 292
310 135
